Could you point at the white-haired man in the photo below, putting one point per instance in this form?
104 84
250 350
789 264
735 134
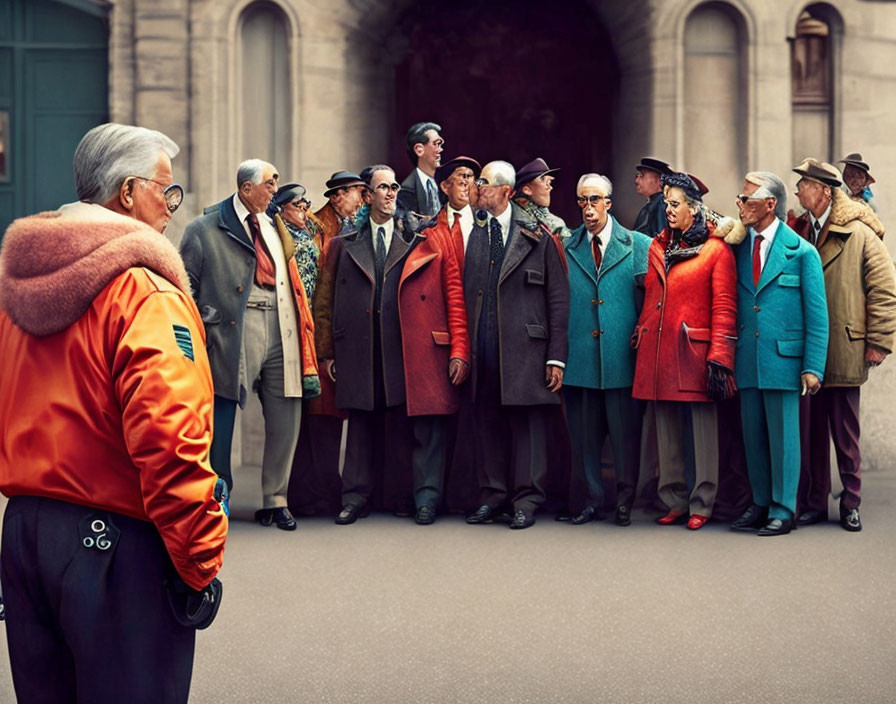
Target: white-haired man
259 327
517 297
105 429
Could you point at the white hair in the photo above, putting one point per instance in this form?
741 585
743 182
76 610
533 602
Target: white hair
110 153
251 170
502 173
603 180
770 186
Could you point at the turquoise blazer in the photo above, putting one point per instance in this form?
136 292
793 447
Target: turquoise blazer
604 308
782 322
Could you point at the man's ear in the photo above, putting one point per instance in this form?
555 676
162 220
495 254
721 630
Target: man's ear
418 149
444 186
126 194
609 202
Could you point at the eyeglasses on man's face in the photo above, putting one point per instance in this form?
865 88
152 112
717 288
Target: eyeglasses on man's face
173 194
386 187
585 201
742 198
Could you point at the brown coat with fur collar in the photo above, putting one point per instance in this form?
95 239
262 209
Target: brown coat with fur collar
860 286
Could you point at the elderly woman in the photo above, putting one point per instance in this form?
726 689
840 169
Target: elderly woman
294 208
685 341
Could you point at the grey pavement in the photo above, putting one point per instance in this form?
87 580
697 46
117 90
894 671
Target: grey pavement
387 611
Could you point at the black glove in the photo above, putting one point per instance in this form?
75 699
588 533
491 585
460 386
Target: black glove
191 608
719 382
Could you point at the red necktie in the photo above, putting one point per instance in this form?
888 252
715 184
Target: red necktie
595 250
757 263
265 273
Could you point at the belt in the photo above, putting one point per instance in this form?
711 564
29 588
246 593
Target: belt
266 287
262 304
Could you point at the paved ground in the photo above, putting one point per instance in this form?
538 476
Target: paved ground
388 612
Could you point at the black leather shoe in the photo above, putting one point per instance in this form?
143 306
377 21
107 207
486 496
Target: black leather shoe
586 516
281 517
521 520
850 520
483 514
623 516
426 515
349 514
811 517
752 519
777 526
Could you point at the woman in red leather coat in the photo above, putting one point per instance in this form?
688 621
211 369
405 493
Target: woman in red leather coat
685 340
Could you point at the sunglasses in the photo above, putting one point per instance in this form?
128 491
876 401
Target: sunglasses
742 199
584 201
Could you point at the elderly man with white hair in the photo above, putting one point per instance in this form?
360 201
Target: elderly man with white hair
259 326
105 429
781 346
607 264
517 297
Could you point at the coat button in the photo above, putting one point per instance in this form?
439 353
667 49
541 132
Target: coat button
239 289
757 333
367 310
232 323
601 301
594 333
594 301
422 296
756 308
601 332
659 305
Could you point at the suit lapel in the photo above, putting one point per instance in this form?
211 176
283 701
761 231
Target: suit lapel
360 250
579 251
783 247
230 223
832 245
518 246
743 256
397 249
617 249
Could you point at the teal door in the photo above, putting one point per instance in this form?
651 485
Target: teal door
53 88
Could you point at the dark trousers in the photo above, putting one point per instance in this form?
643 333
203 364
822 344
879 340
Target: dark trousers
735 495
831 413
84 624
511 447
428 458
377 451
314 483
593 414
222 438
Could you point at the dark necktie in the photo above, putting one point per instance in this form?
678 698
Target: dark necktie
817 229
595 250
757 262
496 241
432 198
265 273
380 250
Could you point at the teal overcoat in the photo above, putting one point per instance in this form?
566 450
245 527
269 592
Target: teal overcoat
783 322
604 308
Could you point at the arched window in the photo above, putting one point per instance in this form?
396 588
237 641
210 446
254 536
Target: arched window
265 85
813 51
715 100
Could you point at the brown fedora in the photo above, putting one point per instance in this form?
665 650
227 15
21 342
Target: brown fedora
820 171
856 160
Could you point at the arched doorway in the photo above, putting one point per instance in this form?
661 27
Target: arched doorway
53 88
510 80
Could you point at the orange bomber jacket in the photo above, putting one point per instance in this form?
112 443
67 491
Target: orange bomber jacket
105 389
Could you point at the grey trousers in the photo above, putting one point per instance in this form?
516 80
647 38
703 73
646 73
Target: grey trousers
673 487
263 357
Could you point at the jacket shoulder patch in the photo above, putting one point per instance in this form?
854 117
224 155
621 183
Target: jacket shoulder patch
184 340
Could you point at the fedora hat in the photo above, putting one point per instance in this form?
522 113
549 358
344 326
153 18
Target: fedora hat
856 160
342 179
531 171
820 171
446 169
653 164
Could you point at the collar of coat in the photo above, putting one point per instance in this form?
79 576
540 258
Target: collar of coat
845 211
52 265
527 223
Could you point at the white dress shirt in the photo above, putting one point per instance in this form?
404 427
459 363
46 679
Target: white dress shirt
388 226
603 238
821 222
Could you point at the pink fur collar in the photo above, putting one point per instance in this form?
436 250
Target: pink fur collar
52 265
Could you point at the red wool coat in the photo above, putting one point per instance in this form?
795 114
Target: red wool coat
433 323
689 317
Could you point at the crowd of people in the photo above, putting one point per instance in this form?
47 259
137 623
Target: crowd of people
483 352
477 350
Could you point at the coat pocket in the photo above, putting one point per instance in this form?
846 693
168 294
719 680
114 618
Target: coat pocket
536 331
534 276
791 348
693 346
441 338
789 280
854 335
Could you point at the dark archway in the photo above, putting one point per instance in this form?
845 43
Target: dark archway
510 80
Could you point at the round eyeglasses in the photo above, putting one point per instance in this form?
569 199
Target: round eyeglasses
173 194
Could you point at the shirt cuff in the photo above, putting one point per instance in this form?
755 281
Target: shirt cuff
555 363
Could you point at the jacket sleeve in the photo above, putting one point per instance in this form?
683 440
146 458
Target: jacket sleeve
723 335
815 314
880 293
557 292
324 299
191 253
164 386
453 291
